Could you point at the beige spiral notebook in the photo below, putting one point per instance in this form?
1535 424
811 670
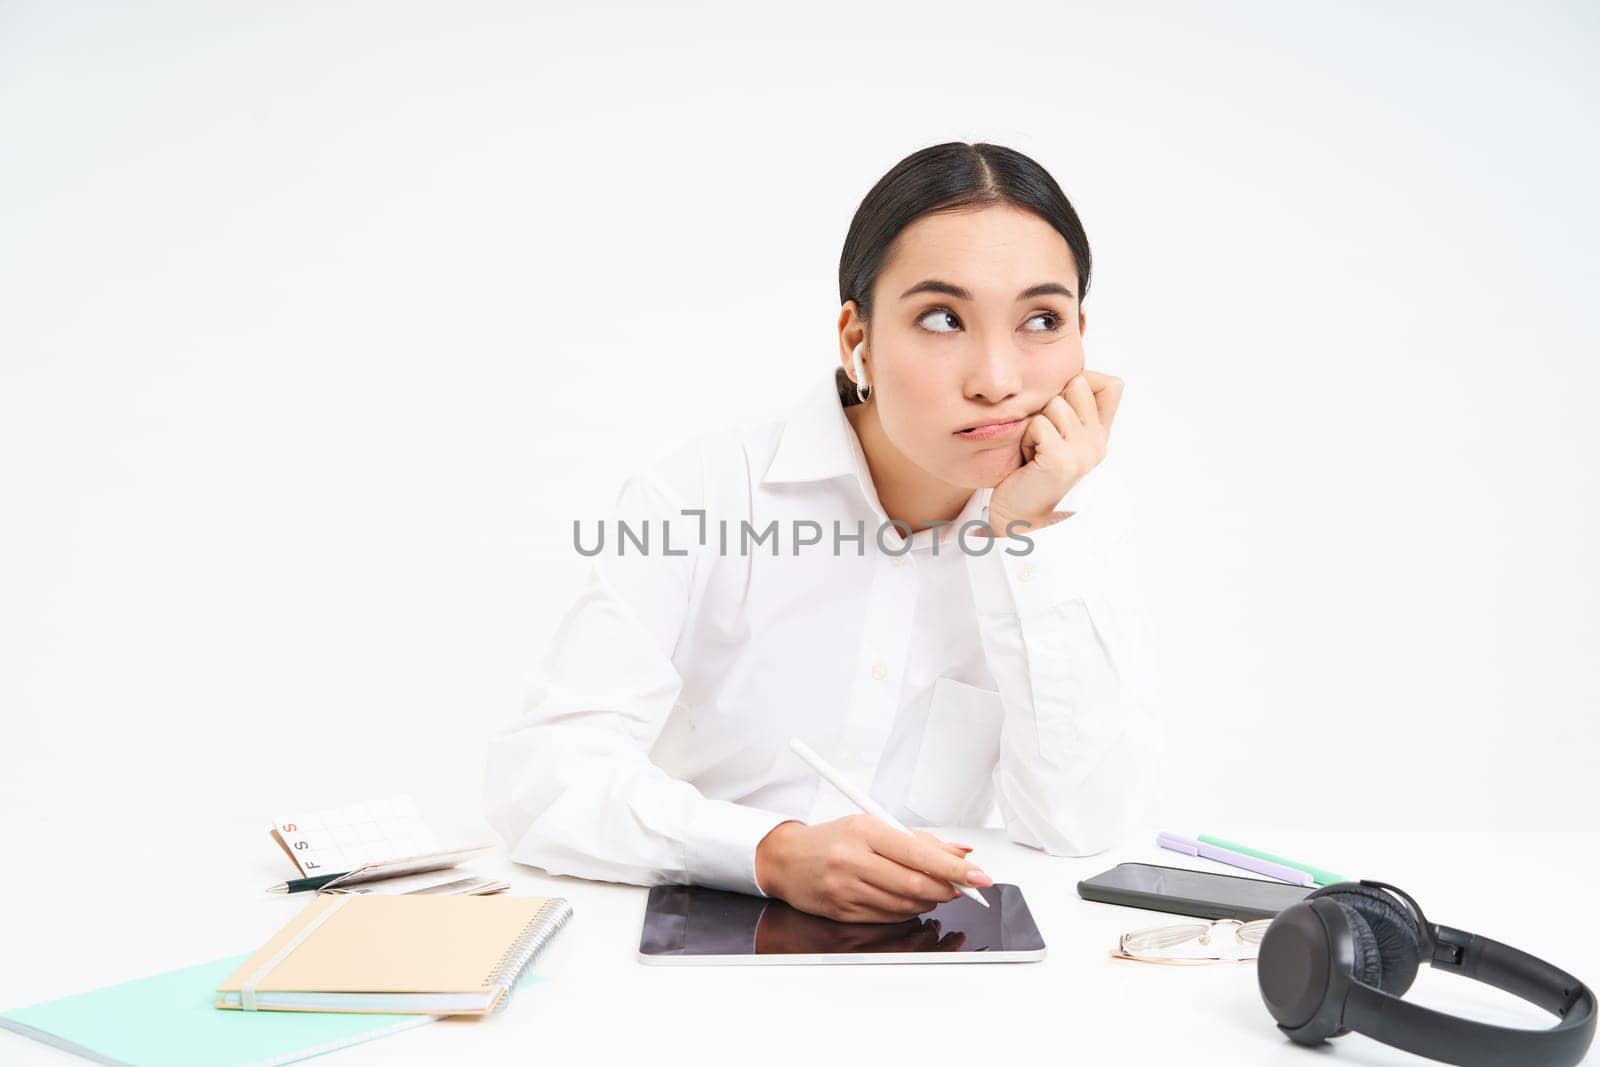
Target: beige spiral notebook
434 955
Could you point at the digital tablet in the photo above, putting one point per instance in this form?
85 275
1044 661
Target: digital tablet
696 925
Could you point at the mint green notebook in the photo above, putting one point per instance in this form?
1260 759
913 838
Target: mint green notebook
167 1020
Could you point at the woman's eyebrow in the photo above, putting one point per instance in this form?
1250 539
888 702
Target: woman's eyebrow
932 285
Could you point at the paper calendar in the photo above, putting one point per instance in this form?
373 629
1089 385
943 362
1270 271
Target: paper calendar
376 846
342 839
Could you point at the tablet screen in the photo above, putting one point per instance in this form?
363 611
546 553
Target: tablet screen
693 921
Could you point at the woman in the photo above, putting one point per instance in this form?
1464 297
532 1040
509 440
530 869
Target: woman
832 576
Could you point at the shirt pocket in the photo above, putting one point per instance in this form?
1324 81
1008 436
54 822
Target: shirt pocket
951 780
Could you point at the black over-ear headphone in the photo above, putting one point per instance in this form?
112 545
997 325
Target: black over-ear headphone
1340 959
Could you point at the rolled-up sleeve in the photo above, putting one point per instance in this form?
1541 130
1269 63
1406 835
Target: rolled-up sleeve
1069 643
570 786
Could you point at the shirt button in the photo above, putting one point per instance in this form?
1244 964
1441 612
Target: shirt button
1025 574
880 671
898 561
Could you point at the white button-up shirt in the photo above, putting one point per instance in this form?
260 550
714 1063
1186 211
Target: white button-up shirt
749 589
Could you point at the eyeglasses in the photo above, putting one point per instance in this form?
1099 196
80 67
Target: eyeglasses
1179 943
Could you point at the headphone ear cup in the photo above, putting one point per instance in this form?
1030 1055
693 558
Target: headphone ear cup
1394 929
1369 960
1292 970
1299 967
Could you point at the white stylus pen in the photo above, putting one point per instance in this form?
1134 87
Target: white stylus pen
864 802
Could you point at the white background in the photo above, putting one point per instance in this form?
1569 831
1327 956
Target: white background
319 326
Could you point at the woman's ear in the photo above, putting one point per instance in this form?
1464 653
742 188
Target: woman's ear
852 331
1083 322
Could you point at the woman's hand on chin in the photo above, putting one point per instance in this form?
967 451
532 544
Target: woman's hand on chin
1059 446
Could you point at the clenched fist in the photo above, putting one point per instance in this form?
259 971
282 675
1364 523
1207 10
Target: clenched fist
1061 444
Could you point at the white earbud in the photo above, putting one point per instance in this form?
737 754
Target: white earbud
863 390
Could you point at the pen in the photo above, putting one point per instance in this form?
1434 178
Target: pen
865 803
1318 875
300 885
1207 851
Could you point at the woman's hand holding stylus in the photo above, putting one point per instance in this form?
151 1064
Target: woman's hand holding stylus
1061 444
857 869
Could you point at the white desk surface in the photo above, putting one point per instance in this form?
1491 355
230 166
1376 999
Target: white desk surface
76 917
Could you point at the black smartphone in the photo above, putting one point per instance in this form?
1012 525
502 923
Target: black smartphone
1186 892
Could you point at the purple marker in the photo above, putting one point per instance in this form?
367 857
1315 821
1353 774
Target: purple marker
1190 847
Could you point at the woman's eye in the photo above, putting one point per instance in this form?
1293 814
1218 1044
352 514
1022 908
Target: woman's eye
943 320
938 315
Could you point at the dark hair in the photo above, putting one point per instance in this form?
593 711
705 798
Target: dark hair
946 177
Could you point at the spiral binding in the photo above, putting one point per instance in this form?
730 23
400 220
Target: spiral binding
544 925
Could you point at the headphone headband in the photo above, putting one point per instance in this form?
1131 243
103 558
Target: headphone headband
1469 1043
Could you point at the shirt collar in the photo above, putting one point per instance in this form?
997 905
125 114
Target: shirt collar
818 443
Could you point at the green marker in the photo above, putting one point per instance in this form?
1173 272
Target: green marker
1318 875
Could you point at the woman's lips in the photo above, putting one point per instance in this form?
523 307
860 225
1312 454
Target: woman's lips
999 429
